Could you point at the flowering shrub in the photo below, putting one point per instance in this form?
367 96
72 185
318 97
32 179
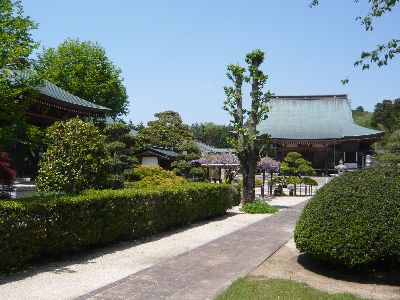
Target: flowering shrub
218 159
268 164
7 175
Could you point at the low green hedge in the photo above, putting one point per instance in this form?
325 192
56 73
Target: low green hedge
259 207
46 225
354 220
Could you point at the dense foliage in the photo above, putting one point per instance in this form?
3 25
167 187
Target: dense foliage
188 151
152 176
120 143
16 46
295 165
362 117
167 132
259 207
391 156
83 69
211 134
46 225
76 158
386 115
354 220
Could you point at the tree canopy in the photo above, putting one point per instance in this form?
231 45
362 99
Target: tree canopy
167 131
386 115
295 165
211 134
83 69
391 157
16 85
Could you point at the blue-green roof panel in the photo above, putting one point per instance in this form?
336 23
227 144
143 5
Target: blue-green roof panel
51 90
312 118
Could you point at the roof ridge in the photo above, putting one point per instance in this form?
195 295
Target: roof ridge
310 97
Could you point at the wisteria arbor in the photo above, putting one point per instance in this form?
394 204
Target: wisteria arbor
228 162
269 165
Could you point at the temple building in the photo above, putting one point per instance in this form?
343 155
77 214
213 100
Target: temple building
321 128
55 104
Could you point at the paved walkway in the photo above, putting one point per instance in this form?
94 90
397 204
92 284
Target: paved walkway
206 271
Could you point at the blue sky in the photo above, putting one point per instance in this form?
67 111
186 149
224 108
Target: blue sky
173 53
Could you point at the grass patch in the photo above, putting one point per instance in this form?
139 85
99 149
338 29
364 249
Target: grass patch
259 207
252 288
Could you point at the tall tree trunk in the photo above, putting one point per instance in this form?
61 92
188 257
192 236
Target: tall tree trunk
270 184
249 167
262 185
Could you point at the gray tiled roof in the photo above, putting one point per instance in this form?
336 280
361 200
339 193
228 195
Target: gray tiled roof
208 149
312 118
165 152
51 90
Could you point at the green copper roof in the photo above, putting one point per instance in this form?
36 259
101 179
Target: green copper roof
312 118
51 90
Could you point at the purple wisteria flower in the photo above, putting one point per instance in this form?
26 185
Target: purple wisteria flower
218 159
269 165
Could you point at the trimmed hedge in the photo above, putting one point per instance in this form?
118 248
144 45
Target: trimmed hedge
36 226
354 220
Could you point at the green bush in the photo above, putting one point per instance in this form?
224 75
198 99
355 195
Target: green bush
76 158
259 207
37 226
258 182
150 176
354 220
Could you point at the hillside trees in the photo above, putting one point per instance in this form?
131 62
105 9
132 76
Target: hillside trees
211 134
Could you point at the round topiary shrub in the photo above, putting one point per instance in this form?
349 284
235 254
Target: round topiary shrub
354 220
76 158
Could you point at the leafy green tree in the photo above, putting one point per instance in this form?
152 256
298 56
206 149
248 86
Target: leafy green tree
16 85
363 118
383 52
83 69
167 131
187 152
245 122
294 166
391 157
76 158
211 134
387 115
120 145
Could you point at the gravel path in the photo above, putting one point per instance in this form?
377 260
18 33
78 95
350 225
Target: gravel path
77 276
